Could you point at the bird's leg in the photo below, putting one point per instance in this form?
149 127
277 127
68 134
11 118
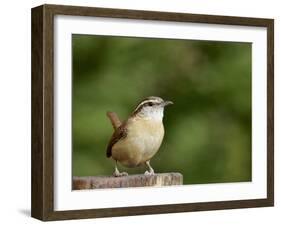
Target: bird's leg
117 173
151 171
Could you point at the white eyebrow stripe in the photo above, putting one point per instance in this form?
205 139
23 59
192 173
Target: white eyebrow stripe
146 101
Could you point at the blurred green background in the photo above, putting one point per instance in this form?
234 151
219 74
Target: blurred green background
207 130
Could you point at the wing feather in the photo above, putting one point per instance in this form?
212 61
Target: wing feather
119 133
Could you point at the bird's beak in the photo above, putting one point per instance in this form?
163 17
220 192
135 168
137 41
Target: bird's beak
167 102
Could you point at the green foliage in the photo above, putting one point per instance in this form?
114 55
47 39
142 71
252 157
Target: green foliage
207 130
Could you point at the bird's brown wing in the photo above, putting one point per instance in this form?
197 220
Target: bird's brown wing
119 133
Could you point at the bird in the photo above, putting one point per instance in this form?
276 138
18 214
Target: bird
136 140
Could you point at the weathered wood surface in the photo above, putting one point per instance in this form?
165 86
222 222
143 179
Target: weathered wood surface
137 180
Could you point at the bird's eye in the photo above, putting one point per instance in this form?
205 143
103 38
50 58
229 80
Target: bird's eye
150 104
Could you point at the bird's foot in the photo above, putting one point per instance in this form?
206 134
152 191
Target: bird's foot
120 174
149 172
150 169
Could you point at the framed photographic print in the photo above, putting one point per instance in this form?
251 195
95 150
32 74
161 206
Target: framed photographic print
141 112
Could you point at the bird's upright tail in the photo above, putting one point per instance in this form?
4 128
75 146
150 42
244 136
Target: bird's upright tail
114 119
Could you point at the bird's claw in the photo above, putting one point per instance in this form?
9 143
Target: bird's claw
118 174
149 173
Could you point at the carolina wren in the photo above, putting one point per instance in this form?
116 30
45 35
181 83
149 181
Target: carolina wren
136 140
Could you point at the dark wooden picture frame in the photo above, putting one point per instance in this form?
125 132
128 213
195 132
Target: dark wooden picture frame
42 203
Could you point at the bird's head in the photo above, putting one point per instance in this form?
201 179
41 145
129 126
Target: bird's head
151 107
